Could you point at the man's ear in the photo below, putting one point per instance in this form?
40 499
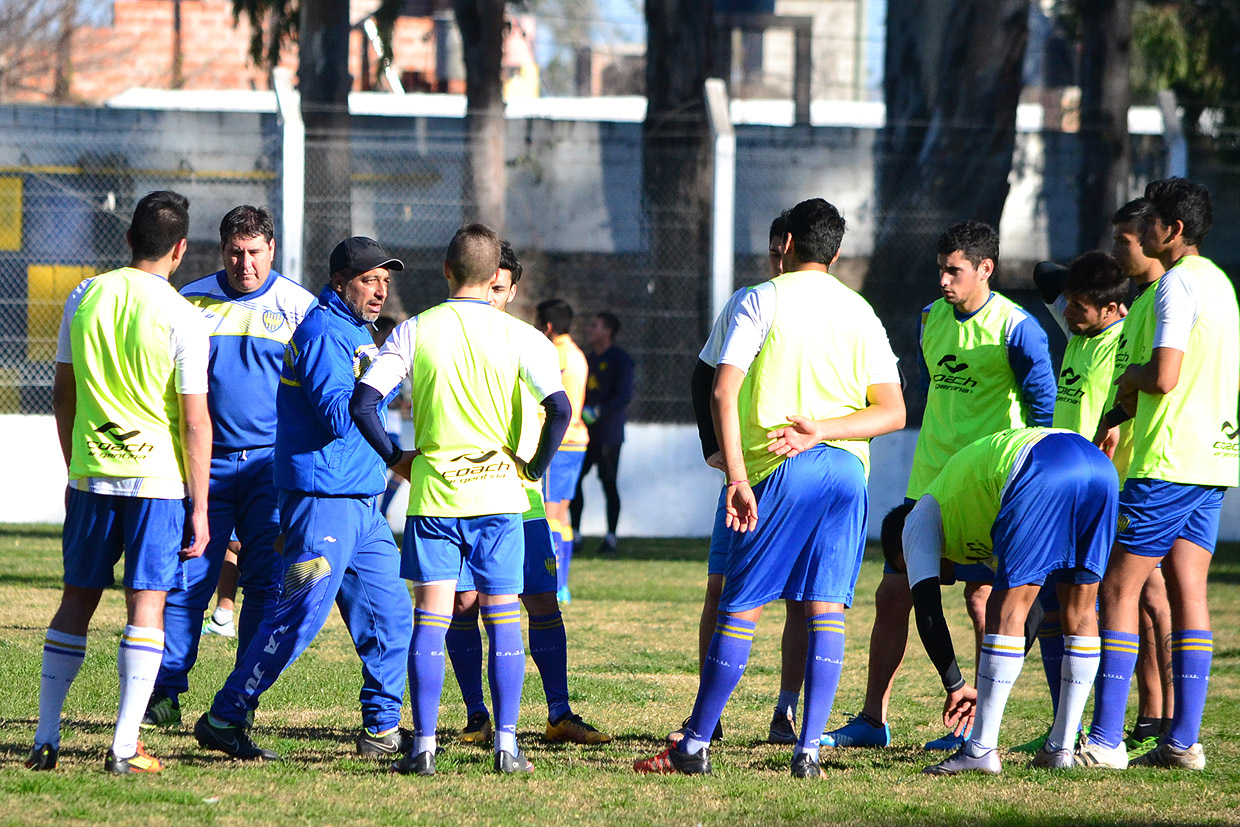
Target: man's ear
986 269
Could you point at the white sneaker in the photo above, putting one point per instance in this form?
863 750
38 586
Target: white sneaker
960 761
210 627
1166 755
1060 759
1095 756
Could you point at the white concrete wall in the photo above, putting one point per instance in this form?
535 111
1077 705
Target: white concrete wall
665 488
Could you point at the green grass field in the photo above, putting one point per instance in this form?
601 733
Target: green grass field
632 644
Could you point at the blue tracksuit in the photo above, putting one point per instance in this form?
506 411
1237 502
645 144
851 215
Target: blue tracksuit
248 335
337 544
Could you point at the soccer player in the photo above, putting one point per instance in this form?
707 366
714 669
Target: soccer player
1185 357
548 641
465 362
554 318
130 399
1036 503
985 366
609 390
337 545
252 312
796 491
792 647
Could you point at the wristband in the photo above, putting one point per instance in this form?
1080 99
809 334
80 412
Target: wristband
736 482
952 679
397 455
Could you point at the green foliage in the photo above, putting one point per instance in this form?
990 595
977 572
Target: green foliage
274 25
1192 48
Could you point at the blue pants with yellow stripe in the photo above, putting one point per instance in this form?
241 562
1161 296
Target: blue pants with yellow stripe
335 549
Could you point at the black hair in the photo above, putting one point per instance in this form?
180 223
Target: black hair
779 228
610 321
557 312
976 241
892 537
1096 279
1179 199
247 222
1132 212
817 228
508 260
473 254
160 221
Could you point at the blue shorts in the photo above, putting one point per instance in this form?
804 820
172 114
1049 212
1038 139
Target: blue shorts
810 534
1153 514
720 538
540 564
436 548
961 572
562 475
150 533
1057 514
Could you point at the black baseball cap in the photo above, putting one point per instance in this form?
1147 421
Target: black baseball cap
360 254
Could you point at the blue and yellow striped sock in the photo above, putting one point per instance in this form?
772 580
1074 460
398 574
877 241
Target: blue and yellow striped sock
506 670
1119 660
426 675
1050 641
549 649
137 664
823 664
62 658
464 645
1192 650
999 667
725 663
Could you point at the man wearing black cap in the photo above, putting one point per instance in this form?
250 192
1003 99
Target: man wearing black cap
336 540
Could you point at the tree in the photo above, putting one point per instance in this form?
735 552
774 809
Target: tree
952 81
482 36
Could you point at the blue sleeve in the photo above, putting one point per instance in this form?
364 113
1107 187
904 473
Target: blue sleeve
325 367
1030 359
621 389
923 372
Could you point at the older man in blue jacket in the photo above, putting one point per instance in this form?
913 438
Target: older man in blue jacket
336 540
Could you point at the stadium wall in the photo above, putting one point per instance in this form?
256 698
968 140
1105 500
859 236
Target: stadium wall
666 489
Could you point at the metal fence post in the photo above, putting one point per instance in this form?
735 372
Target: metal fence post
723 195
292 173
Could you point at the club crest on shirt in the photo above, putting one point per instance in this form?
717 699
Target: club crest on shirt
363 358
1123 523
273 320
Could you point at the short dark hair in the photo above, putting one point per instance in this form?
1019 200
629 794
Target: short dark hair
473 254
610 321
1096 279
557 312
508 260
976 241
1179 199
160 221
247 221
817 228
1132 212
892 536
779 227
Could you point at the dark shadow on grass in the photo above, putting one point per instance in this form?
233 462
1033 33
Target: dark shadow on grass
32 581
31 532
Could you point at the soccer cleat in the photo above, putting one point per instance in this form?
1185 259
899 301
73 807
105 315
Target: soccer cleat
230 740
672 760
163 713
395 740
1139 746
949 742
1060 759
478 729
570 728
805 765
783 729
421 764
858 732
139 762
676 735
1093 755
508 764
960 761
1166 755
210 627
43 757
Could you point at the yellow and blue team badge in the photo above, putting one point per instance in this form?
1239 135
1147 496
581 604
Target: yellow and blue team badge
1122 524
363 358
273 320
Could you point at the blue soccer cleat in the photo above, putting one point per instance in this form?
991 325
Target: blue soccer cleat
950 742
858 732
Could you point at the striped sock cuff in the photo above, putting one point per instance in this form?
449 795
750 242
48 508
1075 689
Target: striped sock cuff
1192 640
463 623
425 618
1003 646
71 646
1120 642
143 639
541 622
826 622
501 614
734 627
1082 646
1050 630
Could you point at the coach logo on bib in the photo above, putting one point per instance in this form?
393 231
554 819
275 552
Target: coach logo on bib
950 378
475 467
1230 444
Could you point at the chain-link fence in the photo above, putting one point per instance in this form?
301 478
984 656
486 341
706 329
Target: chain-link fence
595 219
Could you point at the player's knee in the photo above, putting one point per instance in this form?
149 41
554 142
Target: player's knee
893 597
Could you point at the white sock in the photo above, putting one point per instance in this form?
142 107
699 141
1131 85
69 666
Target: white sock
1002 659
506 741
787 702
1076 680
137 663
62 658
222 617
424 743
